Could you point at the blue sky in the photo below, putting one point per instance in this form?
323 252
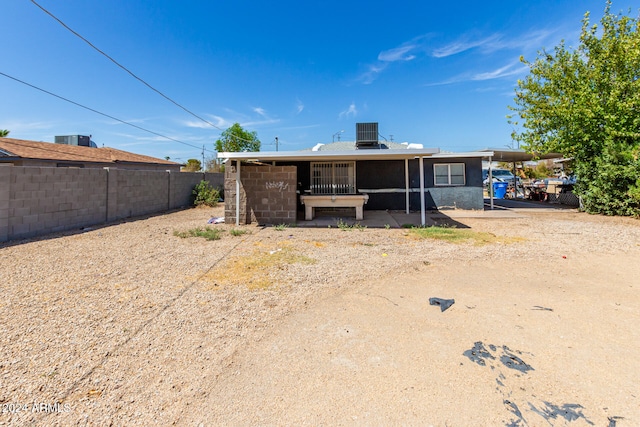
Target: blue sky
439 74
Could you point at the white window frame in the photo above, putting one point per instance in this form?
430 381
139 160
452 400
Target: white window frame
449 183
331 179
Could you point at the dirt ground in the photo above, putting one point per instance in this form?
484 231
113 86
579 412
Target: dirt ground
132 325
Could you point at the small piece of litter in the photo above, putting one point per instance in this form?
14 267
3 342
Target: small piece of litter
443 303
214 220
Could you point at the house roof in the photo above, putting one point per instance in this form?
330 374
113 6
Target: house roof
351 145
22 149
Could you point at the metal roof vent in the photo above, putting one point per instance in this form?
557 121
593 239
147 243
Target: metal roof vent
367 135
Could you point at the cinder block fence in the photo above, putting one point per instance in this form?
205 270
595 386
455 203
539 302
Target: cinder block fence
267 194
41 200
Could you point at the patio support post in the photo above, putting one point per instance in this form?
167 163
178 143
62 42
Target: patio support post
238 192
422 213
406 184
490 184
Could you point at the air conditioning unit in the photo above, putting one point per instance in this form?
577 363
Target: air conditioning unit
80 140
367 135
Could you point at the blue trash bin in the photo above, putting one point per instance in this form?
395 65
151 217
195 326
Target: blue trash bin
500 189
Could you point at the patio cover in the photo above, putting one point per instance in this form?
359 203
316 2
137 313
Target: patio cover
511 155
366 154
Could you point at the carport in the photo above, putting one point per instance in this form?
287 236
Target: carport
512 155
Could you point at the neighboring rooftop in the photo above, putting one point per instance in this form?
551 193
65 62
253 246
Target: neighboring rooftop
19 150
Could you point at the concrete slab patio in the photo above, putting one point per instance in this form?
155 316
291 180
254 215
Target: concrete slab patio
397 219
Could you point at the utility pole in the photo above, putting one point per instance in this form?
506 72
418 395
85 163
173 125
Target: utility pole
202 166
276 143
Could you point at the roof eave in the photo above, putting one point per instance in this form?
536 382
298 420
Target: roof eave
368 154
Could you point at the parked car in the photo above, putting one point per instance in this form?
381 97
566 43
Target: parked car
498 175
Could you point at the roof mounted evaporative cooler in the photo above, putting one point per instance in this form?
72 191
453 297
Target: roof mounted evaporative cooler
367 135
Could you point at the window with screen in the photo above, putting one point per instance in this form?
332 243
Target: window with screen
449 174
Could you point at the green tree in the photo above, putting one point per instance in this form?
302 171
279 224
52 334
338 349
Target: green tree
193 165
4 132
236 139
585 104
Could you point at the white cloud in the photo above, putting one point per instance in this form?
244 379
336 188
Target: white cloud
533 40
244 119
400 53
405 52
463 44
506 71
217 121
352 111
371 74
259 122
19 126
299 106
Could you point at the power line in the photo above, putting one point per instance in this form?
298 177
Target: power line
123 67
96 111
129 71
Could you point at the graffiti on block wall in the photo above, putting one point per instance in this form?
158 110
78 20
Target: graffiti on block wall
277 185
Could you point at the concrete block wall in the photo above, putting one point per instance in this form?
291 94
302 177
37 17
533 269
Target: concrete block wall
215 179
44 200
181 188
5 200
268 194
140 192
40 200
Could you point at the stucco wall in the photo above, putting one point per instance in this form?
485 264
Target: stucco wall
41 200
386 180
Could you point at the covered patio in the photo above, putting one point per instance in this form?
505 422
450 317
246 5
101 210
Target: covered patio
407 180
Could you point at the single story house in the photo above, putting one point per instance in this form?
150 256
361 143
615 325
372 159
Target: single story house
279 187
20 152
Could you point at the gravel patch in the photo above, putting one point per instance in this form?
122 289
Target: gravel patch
128 324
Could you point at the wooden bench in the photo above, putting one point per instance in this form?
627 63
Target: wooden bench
312 201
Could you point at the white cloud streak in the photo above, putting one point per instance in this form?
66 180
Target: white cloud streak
352 111
532 40
506 71
401 53
511 69
407 51
463 44
219 122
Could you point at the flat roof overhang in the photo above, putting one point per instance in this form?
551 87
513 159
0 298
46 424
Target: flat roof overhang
368 154
517 155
